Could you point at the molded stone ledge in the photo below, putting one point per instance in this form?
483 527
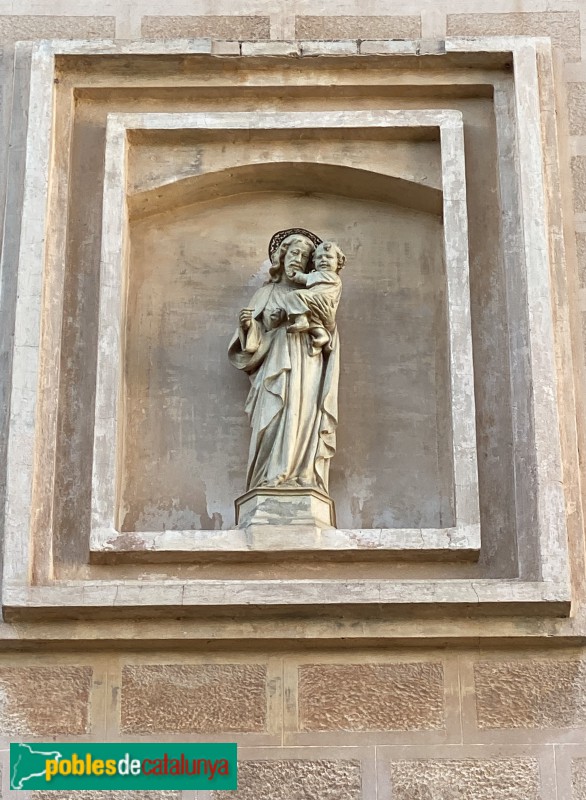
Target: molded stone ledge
222 47
383 47
270 48
138 599
342 47
409 544
357 627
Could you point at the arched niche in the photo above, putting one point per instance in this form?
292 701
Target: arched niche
197 253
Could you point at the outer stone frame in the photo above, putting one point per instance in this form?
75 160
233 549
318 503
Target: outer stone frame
462 540
542 491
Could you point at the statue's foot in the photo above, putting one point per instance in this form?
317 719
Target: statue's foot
273 483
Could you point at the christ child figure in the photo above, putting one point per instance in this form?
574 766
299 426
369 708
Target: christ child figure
325 286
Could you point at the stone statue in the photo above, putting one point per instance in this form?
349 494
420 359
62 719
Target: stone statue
288 344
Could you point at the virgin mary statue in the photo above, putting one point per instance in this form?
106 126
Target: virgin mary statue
293 400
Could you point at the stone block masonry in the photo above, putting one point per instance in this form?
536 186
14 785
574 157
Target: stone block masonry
183 696
207 698
366 704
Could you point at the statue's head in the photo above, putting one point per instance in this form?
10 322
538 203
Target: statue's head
328 256
294 253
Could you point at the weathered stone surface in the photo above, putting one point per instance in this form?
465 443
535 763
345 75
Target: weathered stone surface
22 27
327 48
286 780
433 47
579 779
531 694
203 698
294 506
361 697
494 779
577 108
270 49
106 795
221 47
44 700
387 47
562 26
581 252
405 270
358 27
579 178
216 27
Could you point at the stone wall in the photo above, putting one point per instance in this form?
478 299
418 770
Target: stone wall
469 723
322 709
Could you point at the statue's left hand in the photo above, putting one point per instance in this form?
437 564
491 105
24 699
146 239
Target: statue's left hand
325 310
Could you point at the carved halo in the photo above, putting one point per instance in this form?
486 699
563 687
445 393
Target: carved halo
278 238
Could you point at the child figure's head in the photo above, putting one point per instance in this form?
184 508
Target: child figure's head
328 257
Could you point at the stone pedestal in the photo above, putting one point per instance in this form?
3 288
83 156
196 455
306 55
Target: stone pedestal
283 507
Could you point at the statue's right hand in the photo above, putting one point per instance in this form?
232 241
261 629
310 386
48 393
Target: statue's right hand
246 318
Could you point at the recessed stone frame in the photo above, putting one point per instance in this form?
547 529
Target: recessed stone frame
463 539
541 523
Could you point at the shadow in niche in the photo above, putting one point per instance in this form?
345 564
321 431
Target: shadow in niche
196 256
302 177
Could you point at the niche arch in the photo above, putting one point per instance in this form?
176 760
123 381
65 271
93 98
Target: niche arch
196 255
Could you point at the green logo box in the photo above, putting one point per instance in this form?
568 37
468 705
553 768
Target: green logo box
127 765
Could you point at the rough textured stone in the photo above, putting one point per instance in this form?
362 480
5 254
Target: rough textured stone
358 27
44 701
577 108
497 779
579 178
579 779
106 795
216 27
361 697
581 252
171 698
296 780
531 694
562 26
22 27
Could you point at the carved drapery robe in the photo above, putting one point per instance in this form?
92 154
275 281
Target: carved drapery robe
293 400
